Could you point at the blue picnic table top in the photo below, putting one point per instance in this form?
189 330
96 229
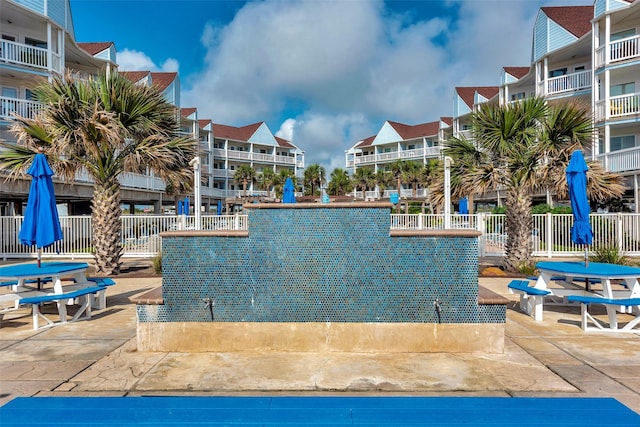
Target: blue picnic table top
594 269
46 269
312 410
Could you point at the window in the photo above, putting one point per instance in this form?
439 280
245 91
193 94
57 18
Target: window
558 72
579 68
517 96
35 42
622 89
411 147
623 34
621 142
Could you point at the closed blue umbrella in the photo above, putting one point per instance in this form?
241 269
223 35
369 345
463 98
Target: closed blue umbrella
219 210
581 232
41 225
186 206
288 195
464 206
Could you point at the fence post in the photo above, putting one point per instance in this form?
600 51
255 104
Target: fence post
420 221
482 238
236 225
549 235
619 228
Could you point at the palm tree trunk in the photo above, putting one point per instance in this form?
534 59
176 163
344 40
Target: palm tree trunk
518 223
107 227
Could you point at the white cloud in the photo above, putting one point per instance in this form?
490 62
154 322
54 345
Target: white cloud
338 70
133 60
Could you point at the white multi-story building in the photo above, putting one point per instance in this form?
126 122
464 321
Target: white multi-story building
253 145
397 141
38 42
585 54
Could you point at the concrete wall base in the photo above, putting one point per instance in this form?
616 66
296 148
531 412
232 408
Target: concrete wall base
193 337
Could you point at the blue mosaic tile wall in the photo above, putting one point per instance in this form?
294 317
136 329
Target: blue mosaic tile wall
321 265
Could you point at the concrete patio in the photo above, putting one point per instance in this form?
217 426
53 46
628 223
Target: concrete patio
99 357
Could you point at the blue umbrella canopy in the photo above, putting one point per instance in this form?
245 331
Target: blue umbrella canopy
219 210
289 195
581 232
41 225
464 206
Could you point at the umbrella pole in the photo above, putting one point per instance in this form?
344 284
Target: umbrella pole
39 263
586 264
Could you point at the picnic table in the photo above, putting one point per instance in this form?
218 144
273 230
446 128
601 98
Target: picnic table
22 278
573 272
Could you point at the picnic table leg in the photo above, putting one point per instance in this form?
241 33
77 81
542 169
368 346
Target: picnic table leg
611 310
62 309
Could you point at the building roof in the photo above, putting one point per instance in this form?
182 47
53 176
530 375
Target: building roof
235 133
406 132
284 143
517 72
159 80
575 19
467 93
416 131
186 112
163 80
135 76
95 48
447 120
366 142
202 123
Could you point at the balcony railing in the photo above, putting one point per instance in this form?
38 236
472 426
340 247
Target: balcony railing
569 82
21 107
621 160
619 50
625 105
30 56
256 157
624 49
416 154
618 106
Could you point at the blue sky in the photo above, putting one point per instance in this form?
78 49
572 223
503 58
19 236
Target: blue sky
321 73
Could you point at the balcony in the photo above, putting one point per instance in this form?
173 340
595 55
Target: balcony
569 83
417 154
254 157
619 107
28 56
621 160
619 50
21 107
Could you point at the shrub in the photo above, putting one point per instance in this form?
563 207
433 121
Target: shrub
157 264
608 254
527 268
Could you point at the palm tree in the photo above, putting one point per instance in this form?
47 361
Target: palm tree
268 179
412 174
245 175
362 179
428 175
524 147
383 179
104 126
314 177
340 183
397 168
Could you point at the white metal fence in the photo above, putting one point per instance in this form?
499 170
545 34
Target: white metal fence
140 234
550 237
